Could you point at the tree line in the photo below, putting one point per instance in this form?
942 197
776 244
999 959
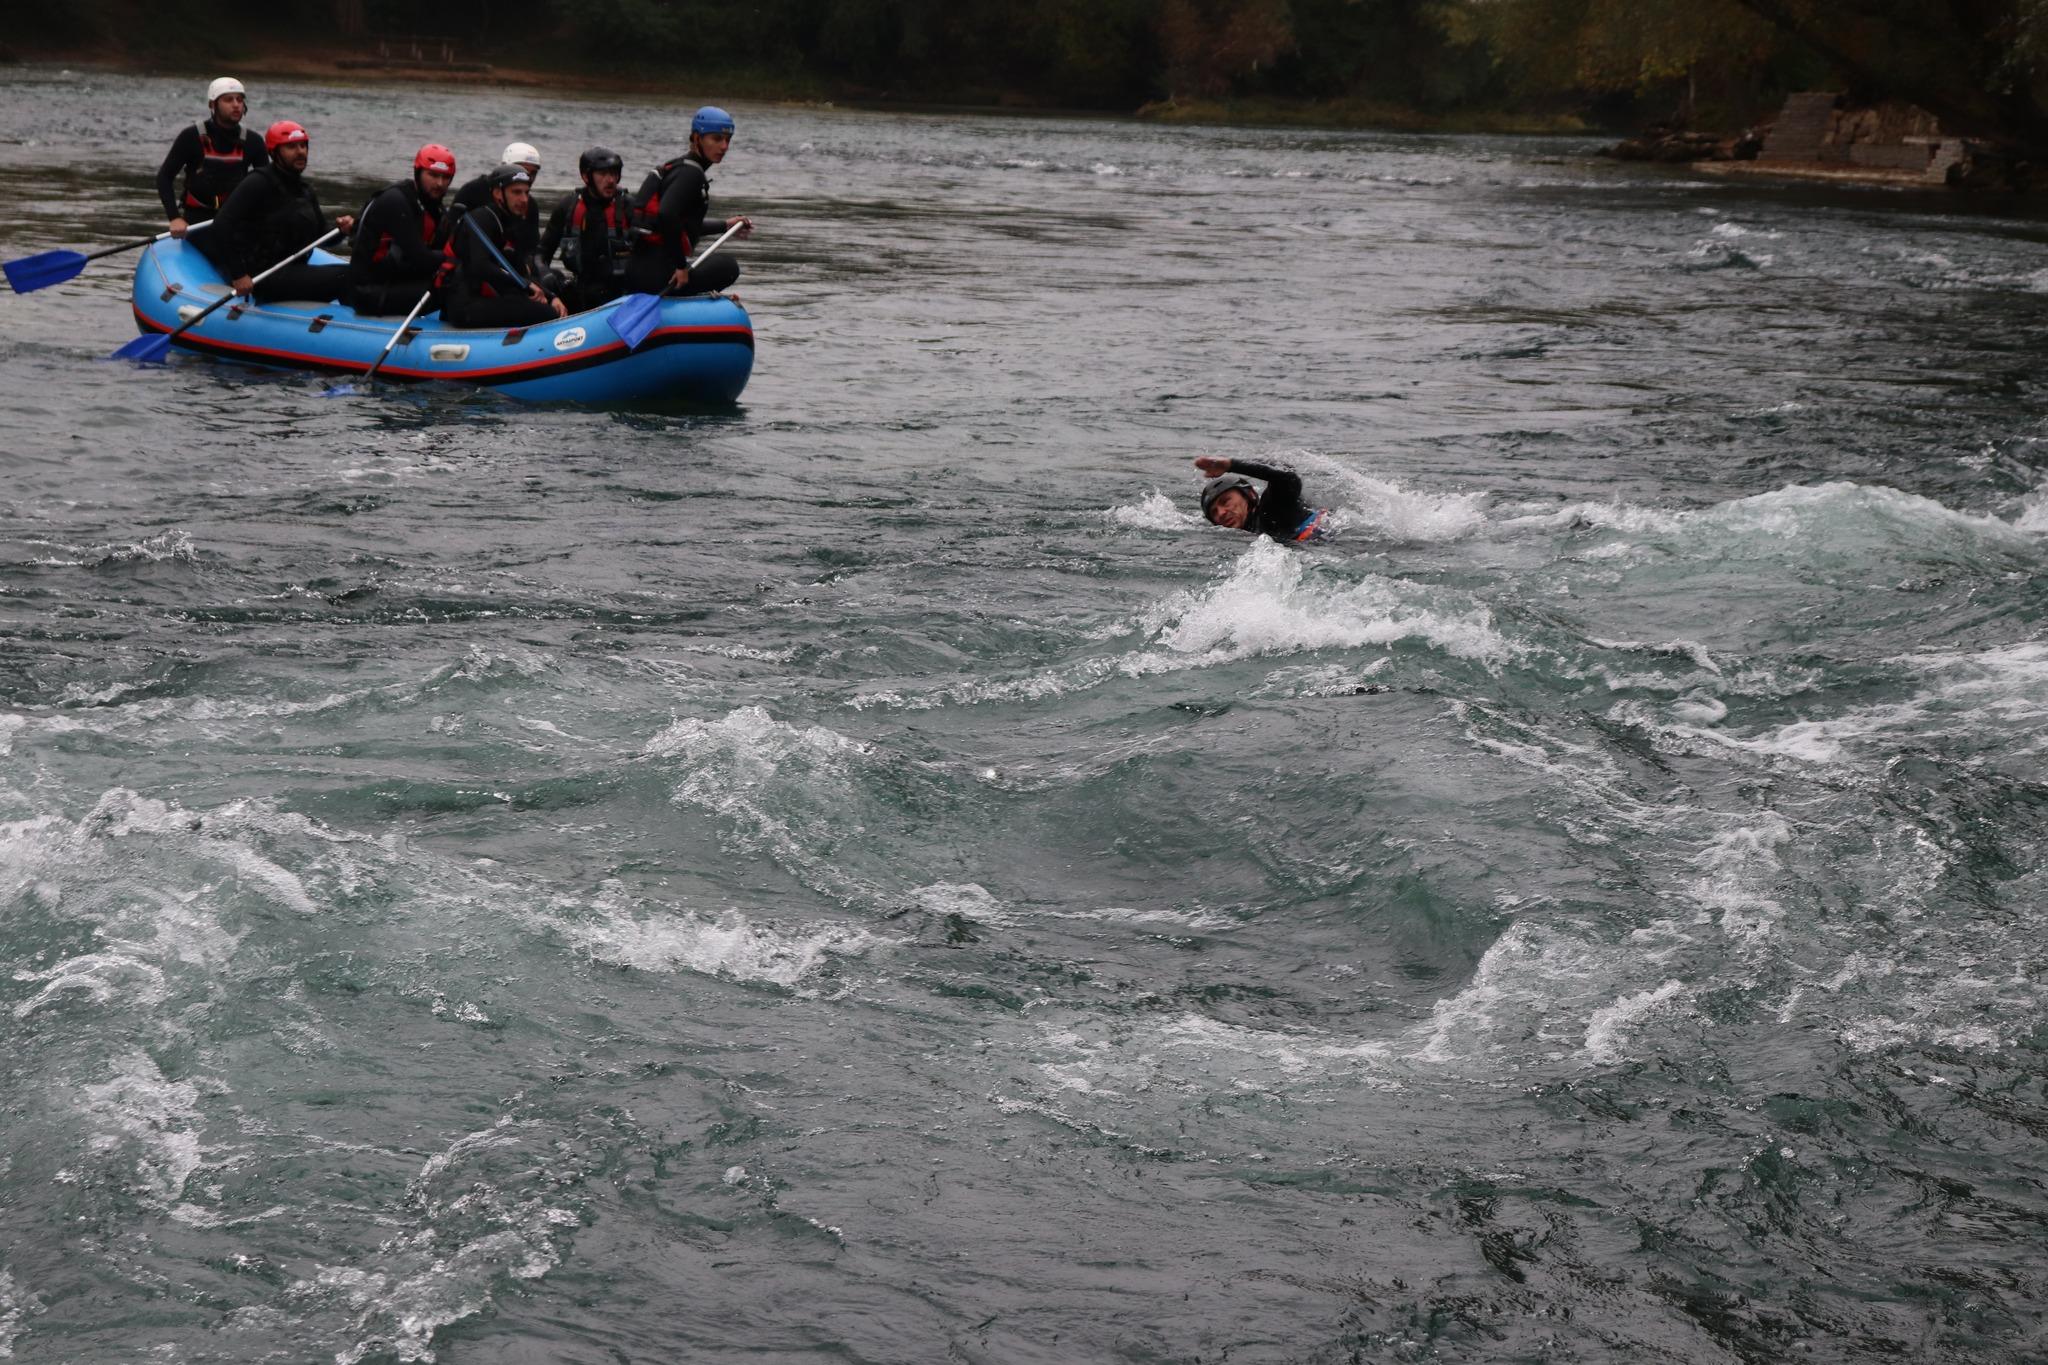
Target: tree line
1979 64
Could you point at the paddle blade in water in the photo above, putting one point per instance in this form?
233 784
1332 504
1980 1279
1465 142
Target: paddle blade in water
344 389
148 348
42 270
635 317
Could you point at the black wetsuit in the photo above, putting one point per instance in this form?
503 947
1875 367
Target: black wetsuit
1281 513
476 290
398 249
476 194
213 163
678 223
593 249
271 214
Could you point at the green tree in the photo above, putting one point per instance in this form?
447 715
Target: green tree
1980 65
1598 47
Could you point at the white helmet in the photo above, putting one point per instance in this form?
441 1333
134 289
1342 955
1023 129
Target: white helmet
226 85
519 152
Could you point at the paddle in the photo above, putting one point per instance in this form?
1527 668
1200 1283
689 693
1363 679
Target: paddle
152 347
496 254
46 268
637 314
346 387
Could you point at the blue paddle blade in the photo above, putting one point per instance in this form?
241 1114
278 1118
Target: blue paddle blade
42 270
341 390
635 317
148 348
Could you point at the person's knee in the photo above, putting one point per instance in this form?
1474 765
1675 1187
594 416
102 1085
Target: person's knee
717 273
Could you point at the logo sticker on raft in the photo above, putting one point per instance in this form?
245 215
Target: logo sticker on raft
569 340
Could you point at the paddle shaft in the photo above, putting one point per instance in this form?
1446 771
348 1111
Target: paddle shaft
492 247
715 245
130 246
230 296
30 273
385 354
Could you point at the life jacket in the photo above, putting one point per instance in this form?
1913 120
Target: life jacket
295 220
451 259
430 228
646 202
220 169
617 220
1313 528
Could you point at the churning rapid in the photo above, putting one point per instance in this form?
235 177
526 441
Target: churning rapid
869 875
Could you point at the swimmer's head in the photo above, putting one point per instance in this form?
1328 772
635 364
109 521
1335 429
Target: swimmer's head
1229 500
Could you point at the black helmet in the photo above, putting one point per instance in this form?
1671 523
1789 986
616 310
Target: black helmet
507 174
1227 483
600 159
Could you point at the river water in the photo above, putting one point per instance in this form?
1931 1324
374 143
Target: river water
869 876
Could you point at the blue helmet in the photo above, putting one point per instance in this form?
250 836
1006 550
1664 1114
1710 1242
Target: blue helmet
711 119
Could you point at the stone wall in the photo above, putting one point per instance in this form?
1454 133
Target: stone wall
1813 129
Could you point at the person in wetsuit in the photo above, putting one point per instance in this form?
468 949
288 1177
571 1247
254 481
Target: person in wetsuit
398 243
476 288
476 193
271 214
1230 498
592 227
212 155
669 216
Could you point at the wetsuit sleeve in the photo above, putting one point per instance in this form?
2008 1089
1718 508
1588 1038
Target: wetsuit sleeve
184 152
558 223
252 148
340 246
527 233
677 232
1282 485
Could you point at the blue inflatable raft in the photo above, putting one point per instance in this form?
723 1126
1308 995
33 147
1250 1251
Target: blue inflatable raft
701 350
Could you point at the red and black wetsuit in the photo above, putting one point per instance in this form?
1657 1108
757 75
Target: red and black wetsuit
595 237
476 289
671 220
271 214
398 249
213 159
476 194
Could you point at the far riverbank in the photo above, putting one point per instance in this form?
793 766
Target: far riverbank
351 66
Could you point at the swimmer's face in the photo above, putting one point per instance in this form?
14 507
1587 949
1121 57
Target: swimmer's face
1232 510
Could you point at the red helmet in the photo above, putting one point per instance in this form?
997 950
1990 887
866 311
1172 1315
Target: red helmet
281 132
434 157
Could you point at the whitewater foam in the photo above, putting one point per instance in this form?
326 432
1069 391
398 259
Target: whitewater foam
155 1118
14 1305
615 930
1156 512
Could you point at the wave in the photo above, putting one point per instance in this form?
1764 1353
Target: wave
14 1304
481 1212
1275 601
1158 512
164 547
155 1119
614 930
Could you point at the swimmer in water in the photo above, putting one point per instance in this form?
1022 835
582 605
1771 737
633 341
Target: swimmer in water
1230 498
